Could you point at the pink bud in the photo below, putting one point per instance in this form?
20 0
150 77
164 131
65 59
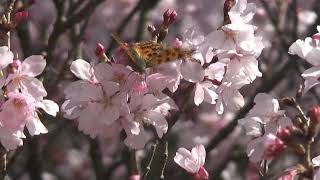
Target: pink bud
284 134
173 16
100 50
314 114
20 16
134 177
316 36
169 17
274 146
166 14
177 43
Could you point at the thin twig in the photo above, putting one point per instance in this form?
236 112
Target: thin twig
150 161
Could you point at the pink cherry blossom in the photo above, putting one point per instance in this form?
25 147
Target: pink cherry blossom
309 49
265 113
20 110
192 161
146 109
23 77
100 102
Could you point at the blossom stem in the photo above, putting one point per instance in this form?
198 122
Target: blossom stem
158 162
151 159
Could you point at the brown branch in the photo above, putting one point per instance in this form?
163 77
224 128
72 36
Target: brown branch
96 159
62 26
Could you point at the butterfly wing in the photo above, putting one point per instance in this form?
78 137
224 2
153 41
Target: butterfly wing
149 52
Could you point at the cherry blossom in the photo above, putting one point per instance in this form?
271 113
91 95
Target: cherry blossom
100 102
263 122
23 76
265 116
192 161
111 95
18 111
146 109
309 49
236 48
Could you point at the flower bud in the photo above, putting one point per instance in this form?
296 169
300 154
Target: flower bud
173 16
274 146
166 14
100 53
316 36
177 43
134 177
20 16
314 114
284 134
99 50
169 17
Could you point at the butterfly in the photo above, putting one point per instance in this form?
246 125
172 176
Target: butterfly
151 54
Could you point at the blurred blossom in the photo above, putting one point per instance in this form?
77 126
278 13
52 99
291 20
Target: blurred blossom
306 18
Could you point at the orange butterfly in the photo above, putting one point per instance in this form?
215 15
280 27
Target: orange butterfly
150 54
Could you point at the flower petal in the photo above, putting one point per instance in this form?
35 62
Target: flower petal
35 126
49 107
192 71
33 65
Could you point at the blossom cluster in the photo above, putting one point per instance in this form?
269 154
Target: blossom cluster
110 96
309 49
265 122
22 96
235 48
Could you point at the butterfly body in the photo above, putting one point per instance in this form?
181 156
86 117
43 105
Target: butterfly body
151 54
